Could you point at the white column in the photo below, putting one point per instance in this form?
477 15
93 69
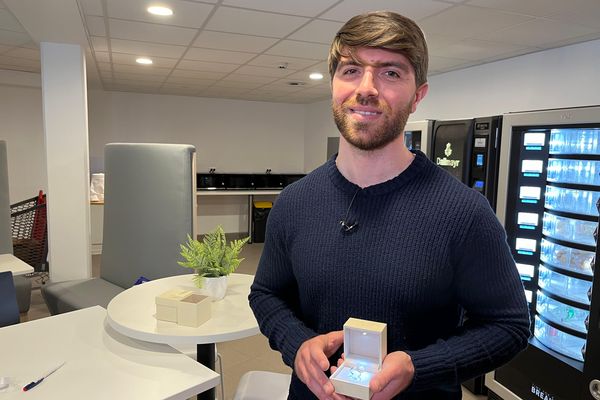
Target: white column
64 99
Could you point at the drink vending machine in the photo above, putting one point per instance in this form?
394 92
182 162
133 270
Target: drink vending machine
548 199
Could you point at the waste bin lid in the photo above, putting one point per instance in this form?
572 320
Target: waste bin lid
263 204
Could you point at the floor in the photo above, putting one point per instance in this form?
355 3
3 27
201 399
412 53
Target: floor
238 356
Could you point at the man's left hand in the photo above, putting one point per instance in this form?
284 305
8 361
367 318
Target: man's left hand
396 374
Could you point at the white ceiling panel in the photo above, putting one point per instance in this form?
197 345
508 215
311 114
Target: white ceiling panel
146 32
263 71
255 23
12 38
317 31
537 8
233 41
92 7
233 48
99 43
185 13
184 73
471 22
292 48
237 77
206 66
146 48
538 33
9 22
278 61
413 9
129 59
23 52
222 56
96 25
304 8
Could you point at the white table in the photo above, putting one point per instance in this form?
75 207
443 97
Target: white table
132 313
100 362
9 262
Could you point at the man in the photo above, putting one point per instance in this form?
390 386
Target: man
380 233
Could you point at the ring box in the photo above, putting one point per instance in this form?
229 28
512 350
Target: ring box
365 346
183 307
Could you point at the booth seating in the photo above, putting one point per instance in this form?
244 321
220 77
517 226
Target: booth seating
150 200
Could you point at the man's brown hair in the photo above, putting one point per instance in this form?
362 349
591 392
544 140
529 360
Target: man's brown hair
386 30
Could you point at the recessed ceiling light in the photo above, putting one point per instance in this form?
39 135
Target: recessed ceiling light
143 60
160 10
316 76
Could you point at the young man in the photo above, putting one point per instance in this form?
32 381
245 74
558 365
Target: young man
380 233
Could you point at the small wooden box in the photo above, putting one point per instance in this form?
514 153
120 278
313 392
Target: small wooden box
365 347
183 307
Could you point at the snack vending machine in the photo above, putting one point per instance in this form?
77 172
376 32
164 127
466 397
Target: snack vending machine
549 188
468 149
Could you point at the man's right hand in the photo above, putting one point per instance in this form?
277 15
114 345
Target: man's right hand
312 360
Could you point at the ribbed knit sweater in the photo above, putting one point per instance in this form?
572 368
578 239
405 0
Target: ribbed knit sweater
427 250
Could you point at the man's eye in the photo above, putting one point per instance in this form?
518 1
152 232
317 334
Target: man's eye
350 71
392 74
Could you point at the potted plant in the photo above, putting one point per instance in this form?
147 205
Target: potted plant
212 259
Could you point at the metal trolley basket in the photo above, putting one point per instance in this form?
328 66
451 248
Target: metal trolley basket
30 233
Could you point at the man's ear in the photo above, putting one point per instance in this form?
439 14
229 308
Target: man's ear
420 93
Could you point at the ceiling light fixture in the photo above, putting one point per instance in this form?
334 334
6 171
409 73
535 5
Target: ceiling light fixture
315 76
160 10
143 60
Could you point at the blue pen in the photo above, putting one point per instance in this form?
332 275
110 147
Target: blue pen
33 384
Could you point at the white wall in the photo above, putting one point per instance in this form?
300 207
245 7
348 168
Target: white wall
22 128
563 77
229 135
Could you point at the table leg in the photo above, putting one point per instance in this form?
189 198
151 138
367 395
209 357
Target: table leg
250 205
205 354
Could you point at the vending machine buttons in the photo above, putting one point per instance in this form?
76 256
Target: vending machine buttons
534 140
532 168
527 220
530 194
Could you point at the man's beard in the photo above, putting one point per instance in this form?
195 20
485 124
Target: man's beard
370 135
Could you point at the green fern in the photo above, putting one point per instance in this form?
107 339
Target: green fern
212 257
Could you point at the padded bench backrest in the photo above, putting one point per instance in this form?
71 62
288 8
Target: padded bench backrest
149 209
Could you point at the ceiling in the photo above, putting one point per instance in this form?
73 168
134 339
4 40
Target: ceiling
264 50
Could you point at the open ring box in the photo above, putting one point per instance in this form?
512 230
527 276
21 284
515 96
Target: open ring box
365 346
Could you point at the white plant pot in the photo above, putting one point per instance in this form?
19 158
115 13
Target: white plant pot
215 287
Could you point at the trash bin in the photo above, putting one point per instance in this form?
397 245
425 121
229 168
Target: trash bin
260 212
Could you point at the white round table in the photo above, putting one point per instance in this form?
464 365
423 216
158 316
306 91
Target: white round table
132 313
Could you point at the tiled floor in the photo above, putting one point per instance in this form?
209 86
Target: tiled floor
238 356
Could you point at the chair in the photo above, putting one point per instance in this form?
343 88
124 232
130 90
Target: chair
21 283
9 310
150 200
263 385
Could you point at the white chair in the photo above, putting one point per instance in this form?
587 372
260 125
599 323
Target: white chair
263 385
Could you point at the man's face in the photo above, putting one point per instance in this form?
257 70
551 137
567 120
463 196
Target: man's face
373 98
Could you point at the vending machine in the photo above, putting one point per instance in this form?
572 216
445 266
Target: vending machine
468 149
417 135
549 187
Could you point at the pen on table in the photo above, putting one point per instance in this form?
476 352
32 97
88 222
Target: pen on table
33 384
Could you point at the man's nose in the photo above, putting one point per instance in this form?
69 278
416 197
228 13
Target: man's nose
367 86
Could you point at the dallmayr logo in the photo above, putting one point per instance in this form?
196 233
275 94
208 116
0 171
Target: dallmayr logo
540 393
446 162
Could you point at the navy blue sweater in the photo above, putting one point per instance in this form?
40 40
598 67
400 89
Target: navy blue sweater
427 250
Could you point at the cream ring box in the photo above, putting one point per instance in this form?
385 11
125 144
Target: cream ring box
365 346
184 307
